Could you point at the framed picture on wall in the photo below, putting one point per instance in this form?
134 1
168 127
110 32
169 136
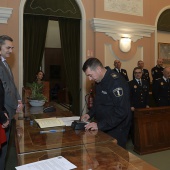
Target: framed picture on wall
164 52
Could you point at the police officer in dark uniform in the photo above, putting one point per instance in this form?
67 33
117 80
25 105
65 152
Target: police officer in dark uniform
111 108
157 71
139 94
119 70
161 89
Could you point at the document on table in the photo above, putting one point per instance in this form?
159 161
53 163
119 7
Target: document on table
57 163
68 120
49 122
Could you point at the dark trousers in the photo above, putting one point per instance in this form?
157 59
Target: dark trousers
132 129
3 150
120 135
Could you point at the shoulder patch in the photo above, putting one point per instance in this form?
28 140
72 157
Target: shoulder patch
114 75
118 92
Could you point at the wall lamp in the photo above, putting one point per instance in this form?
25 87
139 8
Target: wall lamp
125 44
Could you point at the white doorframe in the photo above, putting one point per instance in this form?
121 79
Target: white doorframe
82 47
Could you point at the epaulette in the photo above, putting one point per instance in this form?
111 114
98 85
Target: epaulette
114 75
158 79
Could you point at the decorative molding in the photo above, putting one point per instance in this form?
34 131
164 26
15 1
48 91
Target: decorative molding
118 29
5 14
131 7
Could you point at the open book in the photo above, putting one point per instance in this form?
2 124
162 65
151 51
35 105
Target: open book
49 122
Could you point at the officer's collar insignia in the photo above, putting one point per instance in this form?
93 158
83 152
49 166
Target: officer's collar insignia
114 75
135 86
124 73
118 92
156 70
162 83
104 92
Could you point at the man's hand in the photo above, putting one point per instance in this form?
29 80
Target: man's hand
91 126
20 106
85 118
132 109
5 125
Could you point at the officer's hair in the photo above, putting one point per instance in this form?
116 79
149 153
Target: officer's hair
136 68
140 61
92 63
3 38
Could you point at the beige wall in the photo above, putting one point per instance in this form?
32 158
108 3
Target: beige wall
95 41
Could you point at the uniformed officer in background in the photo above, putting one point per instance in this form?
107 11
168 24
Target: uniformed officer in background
111 108
118 69
145 72
157 71
161 89
139 94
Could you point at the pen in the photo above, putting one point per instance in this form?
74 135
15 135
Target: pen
52 131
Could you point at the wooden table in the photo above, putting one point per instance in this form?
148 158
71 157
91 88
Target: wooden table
85 149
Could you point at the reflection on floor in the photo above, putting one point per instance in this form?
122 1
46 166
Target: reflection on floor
160 160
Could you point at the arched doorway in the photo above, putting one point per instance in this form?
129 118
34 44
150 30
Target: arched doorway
82 46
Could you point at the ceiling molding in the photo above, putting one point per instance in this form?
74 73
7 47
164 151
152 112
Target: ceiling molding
5 14
118 29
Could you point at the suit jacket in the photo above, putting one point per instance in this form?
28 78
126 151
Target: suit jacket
157 72
161 92
11 93
139 95
123 72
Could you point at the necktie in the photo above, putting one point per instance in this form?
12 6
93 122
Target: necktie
139 82
7 66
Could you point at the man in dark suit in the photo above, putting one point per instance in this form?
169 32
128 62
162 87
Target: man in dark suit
139 94
12 98
145 72
119 70
161 89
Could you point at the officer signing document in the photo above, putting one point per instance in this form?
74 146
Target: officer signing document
111 108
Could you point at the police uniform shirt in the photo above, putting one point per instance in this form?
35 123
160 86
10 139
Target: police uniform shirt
123 72
161 92
139 94
145 75
157 72
111 106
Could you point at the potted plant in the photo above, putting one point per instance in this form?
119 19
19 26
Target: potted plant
36 98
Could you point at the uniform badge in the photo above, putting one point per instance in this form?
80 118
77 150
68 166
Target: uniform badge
156 70
135 86
114 75
118 92
162 83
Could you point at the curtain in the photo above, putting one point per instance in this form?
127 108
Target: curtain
70 43
35 29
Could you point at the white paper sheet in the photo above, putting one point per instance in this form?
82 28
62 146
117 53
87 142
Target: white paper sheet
57 163
49 122
68 120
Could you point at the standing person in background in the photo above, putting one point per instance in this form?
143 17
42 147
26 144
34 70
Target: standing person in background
39 77
111 106
145 72
161 89
12 97
119 70
139 95
157 71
